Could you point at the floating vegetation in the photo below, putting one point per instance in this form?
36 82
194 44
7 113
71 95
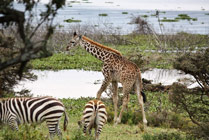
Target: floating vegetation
60 26
103 14
74 1
144 16
169 20
71 20
124 13
185 17
163 12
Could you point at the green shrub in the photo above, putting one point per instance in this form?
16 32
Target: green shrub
167 136
25 132
79 135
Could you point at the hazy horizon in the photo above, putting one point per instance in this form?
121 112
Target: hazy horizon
180 5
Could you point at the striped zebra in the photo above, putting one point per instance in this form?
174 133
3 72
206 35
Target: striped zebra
15 111
94 116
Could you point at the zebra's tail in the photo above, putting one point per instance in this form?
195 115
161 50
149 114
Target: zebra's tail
65 121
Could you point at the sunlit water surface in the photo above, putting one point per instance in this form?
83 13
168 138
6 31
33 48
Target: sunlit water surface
78 83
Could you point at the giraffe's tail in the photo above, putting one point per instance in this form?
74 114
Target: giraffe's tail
144 96
141 87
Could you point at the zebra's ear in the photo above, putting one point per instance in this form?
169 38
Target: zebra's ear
74 34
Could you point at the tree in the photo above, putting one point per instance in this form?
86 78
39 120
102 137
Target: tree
20 39
194 101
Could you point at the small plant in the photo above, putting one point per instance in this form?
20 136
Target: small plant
79 135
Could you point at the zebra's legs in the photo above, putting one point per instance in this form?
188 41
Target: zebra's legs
59 132
52 126
96 133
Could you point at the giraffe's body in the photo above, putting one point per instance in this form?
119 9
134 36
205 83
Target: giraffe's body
116 68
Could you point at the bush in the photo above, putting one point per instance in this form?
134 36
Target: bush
167 136
79 135
25 132
195 102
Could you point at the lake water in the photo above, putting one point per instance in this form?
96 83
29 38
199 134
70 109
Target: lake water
88 12
79 83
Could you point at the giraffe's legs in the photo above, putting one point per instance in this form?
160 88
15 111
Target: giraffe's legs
125 103
105 83
140 99
115 99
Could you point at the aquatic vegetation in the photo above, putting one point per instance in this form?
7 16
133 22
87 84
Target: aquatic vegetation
144 16
71 20
169 20
103 14
185 17
124 13
74 1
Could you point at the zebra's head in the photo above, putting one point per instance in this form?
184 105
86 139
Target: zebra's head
81 123
74 42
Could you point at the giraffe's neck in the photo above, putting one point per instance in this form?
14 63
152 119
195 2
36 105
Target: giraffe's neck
99 51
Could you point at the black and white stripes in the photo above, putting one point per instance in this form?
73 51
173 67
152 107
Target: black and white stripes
94 116
14 111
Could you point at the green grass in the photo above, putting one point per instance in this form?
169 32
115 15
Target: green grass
64 61
124 131
78 58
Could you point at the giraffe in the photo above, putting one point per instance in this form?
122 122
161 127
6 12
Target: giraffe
116 68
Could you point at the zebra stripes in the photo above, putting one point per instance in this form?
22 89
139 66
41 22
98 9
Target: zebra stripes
14 111
94 116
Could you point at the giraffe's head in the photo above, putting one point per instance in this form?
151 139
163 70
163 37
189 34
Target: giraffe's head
74 42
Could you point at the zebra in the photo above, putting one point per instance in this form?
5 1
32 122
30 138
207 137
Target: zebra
94 116
15 111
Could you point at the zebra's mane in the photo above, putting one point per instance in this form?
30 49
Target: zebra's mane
101 46
5 99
